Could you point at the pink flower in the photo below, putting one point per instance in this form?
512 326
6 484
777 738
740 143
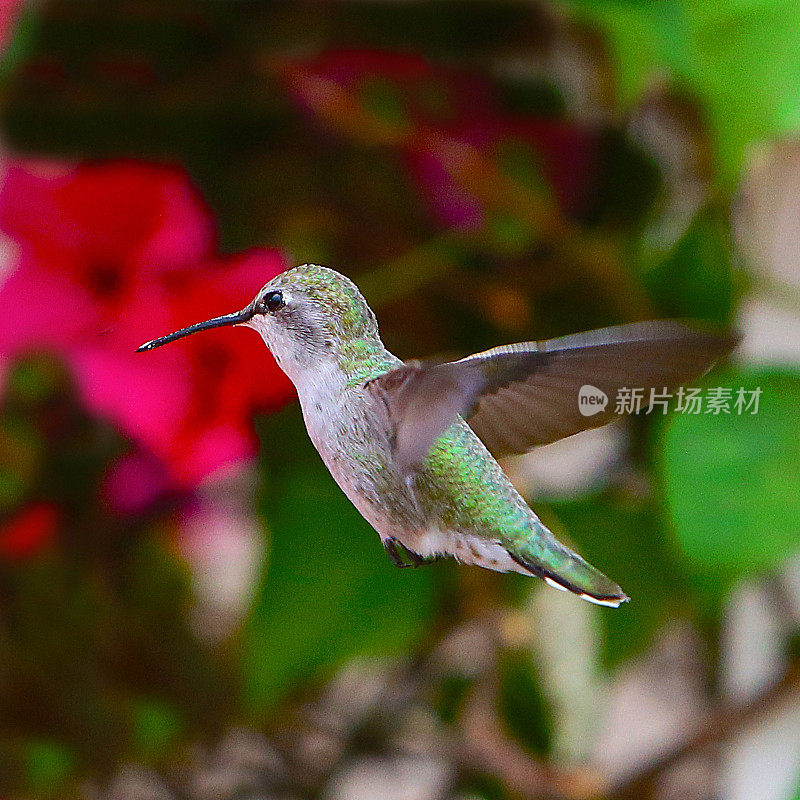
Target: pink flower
134 483
528 155
9 11
429 113
114 253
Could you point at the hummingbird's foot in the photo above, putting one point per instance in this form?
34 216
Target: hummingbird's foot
416 559
391 545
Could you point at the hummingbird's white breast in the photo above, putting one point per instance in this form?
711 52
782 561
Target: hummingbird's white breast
344 427
346 431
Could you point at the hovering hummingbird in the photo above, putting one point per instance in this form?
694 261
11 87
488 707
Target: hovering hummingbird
411 444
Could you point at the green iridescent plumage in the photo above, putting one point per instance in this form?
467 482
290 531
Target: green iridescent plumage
471 492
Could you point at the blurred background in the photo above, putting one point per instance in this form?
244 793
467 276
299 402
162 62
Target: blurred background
189 607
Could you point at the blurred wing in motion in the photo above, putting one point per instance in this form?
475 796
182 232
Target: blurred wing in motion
422 400
522 395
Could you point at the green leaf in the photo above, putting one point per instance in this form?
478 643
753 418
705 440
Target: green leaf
156 728
329 592
643 39
48 765
451 694
383 99
746 69
732 480
522 704
739 58
19 40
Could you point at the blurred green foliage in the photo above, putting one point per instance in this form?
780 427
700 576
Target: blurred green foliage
626 537
99 657
329 593
522 703
739 60
732 480
694 278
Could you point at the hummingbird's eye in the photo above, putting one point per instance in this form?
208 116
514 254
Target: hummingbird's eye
270 302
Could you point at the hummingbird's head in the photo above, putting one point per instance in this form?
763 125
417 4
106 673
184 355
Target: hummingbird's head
310 314
306 316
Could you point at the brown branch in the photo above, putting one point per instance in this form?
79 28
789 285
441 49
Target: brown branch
720 725
483 745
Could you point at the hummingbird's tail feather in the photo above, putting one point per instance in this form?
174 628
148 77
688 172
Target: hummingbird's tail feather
544 556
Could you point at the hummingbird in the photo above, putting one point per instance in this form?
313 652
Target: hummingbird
413 444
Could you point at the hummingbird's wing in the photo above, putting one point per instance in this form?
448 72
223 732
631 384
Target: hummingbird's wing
422 399
519 396
531 393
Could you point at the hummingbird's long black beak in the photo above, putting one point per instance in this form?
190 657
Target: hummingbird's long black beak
236 318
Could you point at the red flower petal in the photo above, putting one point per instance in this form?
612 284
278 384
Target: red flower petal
107 213
40 306
29 532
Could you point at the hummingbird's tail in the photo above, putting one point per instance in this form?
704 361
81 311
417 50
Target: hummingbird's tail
544 556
